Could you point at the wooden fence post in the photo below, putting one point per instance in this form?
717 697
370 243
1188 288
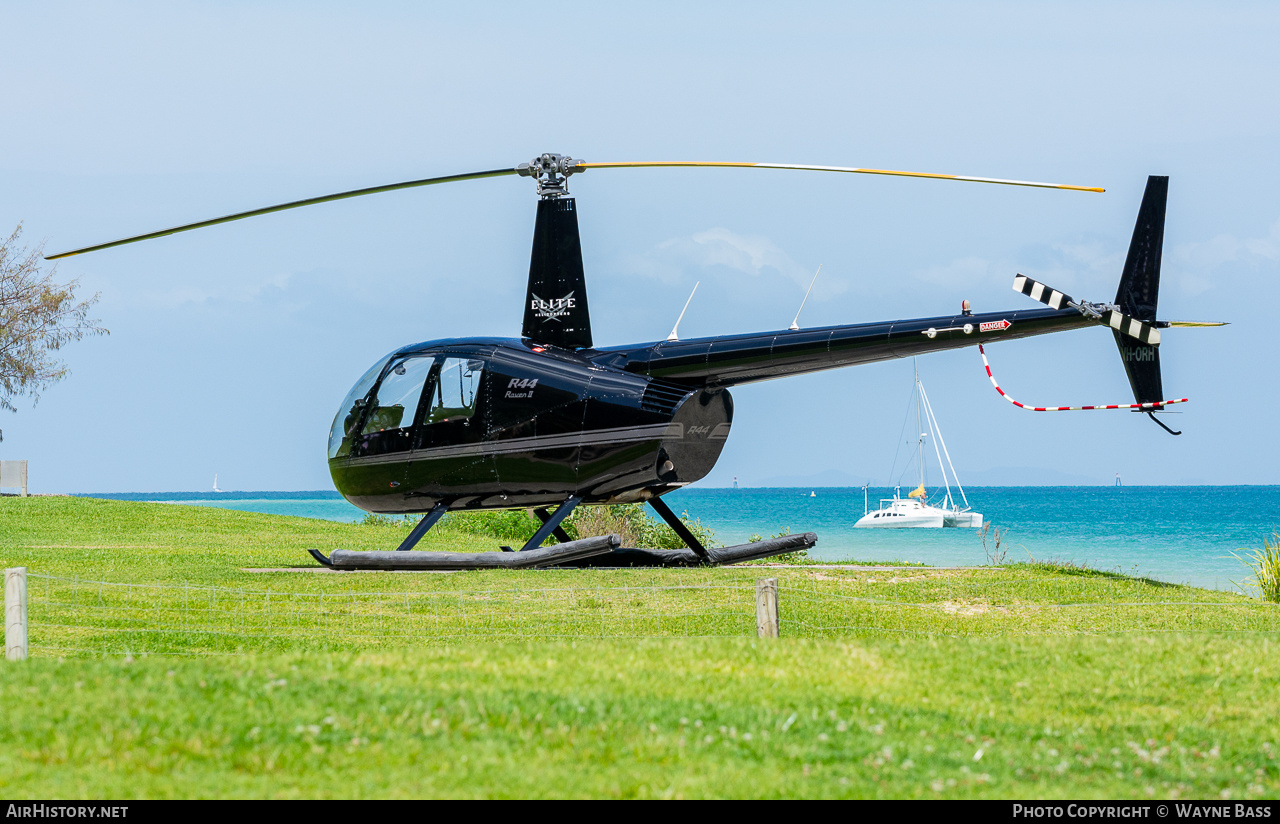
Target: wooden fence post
767 608
15 614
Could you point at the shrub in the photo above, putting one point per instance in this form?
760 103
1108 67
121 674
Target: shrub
374 519
1265 565
507 525
630 521
634 525
797 556
996 554
517 525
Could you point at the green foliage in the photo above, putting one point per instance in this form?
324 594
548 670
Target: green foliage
38 316
634 524
799 556
1264 566
510 525
383 521
630 521
998 552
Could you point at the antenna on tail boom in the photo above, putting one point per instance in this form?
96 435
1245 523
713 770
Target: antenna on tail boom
795 324
675 330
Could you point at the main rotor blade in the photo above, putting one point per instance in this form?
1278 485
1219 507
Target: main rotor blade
311 201
846 169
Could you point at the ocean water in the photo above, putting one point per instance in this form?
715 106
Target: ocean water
327 505
1180 534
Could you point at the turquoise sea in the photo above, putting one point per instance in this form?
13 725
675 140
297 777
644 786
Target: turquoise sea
1181 534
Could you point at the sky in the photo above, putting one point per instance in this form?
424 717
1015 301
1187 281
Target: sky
231 347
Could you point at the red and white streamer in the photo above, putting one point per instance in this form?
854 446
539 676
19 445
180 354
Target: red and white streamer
1147 406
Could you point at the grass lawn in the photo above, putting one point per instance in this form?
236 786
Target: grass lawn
1028 681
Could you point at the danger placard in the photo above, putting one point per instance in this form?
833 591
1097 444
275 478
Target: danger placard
995 326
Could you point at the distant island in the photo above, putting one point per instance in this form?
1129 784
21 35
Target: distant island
998 476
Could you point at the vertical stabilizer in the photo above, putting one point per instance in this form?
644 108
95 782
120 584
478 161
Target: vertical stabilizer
1140 282
555 309
1139 291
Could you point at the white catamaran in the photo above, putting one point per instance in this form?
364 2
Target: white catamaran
914 510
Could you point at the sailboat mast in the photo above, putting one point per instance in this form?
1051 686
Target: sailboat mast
935 432
919 433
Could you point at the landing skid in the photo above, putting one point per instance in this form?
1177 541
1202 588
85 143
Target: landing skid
632 557
602 551
530 559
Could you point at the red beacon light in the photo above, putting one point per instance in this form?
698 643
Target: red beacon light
965 308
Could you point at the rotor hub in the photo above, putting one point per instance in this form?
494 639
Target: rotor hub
551 173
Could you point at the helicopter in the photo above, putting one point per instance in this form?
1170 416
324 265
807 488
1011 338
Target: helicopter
550 421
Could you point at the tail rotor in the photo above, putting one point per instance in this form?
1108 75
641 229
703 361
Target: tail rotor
1132 317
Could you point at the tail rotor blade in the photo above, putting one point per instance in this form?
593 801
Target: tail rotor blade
1134 328
1120 322
1038 291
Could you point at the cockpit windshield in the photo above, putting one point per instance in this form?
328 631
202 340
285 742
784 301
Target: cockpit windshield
341 433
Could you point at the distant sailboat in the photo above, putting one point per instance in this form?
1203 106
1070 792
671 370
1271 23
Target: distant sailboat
215 484
896 513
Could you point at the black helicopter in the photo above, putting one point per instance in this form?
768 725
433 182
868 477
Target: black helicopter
550 420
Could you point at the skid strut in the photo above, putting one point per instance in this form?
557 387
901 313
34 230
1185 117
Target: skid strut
428 521
544 515
550 525
680 529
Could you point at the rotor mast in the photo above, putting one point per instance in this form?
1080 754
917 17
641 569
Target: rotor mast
555 310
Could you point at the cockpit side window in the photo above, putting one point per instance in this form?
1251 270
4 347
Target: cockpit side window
454 397
394 404
452 404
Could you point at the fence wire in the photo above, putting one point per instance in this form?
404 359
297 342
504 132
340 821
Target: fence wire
970 608
76 617
69 616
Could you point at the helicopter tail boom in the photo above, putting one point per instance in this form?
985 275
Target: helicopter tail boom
732 360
